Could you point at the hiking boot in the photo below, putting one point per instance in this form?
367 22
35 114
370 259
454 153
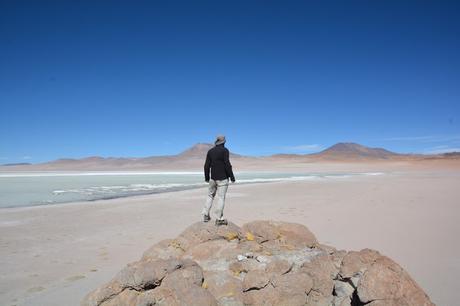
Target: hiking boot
206 218
221 222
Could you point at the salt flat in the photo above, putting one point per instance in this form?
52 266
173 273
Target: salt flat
54 255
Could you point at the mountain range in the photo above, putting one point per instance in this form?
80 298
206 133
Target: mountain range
194 156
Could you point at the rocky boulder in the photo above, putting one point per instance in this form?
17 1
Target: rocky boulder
261 263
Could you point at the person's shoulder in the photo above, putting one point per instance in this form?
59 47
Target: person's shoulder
211 150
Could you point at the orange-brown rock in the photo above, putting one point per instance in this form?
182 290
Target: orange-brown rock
261 263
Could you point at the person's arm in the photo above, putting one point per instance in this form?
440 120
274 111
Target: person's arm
207 167
228 165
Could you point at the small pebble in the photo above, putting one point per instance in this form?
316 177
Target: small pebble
241 257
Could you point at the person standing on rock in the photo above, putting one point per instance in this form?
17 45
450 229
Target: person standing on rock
217 171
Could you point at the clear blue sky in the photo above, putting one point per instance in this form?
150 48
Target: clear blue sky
140 78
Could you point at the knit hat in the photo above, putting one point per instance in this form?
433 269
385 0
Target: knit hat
220 139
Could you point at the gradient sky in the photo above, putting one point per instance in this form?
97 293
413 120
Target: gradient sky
140 78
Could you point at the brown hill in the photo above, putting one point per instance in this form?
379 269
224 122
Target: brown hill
199 150
191 158
349 150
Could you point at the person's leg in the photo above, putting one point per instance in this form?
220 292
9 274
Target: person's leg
222 187
211 193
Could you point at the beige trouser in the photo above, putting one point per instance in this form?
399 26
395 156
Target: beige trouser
218 187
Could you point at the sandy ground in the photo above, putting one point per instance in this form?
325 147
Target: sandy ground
54 255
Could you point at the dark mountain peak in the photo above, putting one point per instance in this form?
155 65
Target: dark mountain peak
200 150
197 150
93 158
355 150
346 146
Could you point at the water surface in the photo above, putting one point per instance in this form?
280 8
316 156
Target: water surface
30 189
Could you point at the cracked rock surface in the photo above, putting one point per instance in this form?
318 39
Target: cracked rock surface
260 263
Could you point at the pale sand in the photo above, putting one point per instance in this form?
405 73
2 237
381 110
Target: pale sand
54 255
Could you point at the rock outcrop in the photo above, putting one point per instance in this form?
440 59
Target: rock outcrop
260 263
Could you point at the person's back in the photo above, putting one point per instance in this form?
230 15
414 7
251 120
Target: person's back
218 162
217 171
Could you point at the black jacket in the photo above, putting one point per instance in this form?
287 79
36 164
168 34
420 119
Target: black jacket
217 160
